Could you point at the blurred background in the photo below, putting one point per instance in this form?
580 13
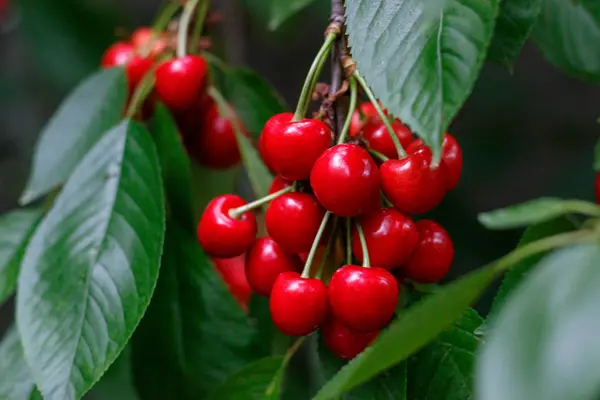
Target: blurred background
523 135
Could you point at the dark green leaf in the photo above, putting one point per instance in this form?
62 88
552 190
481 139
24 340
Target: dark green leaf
117 382
543 344
210 183
252 98
16 382
421 69
92 108
534 212
415 327
513 26
281 10
597 156
91 266
567 32
268 340
15 229
194 335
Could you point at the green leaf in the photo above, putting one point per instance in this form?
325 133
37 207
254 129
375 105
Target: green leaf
16 382
281 10
544 342
15 229
92 108
421 69
567 32
597 156
194 334
414 328
252 98
210 183
117 382
91 266
534 212
517 273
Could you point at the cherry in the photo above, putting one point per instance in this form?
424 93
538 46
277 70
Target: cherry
345 180
220 234
178 81
145 40
391 238
344 342
597 187
411 184
451 157
279 184
298 305
378 137
123 54
272 128
265 260
370 114
292 148
364 299
216 144
432 259
232 272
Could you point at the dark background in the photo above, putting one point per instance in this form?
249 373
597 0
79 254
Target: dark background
523 135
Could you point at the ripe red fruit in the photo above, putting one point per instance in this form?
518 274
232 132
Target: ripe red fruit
179 81
364 299
344 342
279 184
411 185
452 158
293 220
391 238
298 305
233 274
124 54
272 128
265 260
147 42
291 149
216 145
597 187
378 137
222 236
369 114
432 259
346 181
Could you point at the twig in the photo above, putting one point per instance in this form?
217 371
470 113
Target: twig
338 113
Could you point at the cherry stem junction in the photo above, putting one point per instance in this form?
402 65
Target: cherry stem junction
315 245
236 213
352 106
363 245
184 23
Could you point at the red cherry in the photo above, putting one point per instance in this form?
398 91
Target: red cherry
232 272
145 40
411 184
597 187
265 260
362 298
291 149
391 238
124 54
378 137
298 305
345 180
432 259
179 81
369 114
451 157
216 144
222 236
279 184
293 220
272 128
344 342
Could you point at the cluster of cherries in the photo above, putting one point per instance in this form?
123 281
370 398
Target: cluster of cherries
314 181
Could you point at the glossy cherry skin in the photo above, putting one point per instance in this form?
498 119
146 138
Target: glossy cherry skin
145 41
265 260
451 157
271 128
123 54
344 342
292 148
222 236
391 238
597 187
411 185
432 259
346 181
378 137
364 299
293 220
279 184
369 114
179 81
298 305
216 145
233 274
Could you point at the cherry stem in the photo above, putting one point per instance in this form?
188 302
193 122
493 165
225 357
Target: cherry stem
184 23
165 16
351 108
315 245
363 244
327 249
384 119
142 91
236 213
348 241
199 22
308 86
226 111
286 359
378 155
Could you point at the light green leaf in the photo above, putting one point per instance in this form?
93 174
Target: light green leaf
15 229
421 69
16 382
567 32
91 266
281 10
92 108
544 342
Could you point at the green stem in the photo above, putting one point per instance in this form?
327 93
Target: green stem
327 249
582 207
165 16
348 241
315 245
363 245
235 213
216 61
142 91
286 359
308 87
384 119
378 155
199 23
351 108
184 23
